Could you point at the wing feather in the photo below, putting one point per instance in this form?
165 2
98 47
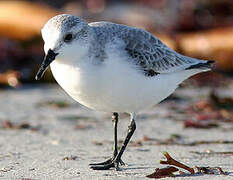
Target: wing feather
150 53
145 50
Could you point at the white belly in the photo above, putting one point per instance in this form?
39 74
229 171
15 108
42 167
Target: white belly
115 86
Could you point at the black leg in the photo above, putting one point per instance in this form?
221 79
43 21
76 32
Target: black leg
115 122
115 162
131 129
115 152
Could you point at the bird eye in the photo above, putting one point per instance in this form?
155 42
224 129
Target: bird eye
68 37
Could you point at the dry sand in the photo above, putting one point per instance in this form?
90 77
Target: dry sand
78 132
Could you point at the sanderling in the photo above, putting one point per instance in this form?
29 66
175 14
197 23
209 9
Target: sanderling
113 68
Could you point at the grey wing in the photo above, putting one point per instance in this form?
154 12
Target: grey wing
152 55
145 50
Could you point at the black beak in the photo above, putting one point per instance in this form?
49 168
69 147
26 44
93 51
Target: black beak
49 57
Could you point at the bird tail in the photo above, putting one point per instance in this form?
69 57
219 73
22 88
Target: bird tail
202 65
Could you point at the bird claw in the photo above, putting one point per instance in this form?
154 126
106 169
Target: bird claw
107 164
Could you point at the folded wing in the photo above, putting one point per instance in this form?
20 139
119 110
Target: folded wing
152 55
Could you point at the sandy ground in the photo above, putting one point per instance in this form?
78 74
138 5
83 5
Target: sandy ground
87 136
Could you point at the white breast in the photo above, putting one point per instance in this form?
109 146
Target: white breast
115 85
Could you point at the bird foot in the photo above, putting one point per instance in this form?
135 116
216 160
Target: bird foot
107 164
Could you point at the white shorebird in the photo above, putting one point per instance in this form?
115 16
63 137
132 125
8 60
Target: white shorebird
113 68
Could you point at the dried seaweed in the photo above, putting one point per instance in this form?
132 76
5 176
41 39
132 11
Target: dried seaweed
210 113
169 170
163 172
173 162
210 170
200 124
9 125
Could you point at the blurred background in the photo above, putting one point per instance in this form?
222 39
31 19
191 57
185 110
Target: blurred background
197 28
195 121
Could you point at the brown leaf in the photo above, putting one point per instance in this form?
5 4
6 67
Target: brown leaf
163 172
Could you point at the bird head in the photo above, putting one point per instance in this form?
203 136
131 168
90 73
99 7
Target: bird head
64 37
